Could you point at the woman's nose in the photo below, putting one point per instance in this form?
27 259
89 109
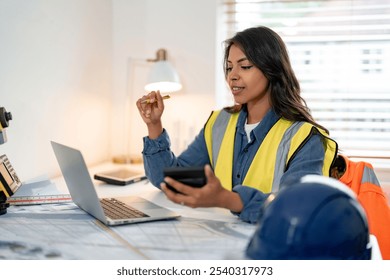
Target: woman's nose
233 75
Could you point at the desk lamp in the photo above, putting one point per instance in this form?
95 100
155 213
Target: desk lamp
163 76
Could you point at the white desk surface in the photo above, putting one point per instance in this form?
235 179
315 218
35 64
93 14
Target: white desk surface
63 231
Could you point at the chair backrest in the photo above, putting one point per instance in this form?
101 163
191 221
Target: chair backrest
361 178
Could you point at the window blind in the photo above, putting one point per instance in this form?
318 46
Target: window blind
340 52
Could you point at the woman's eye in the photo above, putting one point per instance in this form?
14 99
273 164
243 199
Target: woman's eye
247 67
228 69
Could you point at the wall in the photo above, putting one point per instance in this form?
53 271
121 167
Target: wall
67 68
55 79
187 29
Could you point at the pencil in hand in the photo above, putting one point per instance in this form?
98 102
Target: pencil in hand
147 101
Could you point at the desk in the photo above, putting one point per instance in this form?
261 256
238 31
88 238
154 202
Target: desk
63 231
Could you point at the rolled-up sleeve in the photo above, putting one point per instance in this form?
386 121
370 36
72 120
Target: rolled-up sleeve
157 154
161 144
252 200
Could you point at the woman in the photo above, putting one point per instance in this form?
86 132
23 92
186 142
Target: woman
268 140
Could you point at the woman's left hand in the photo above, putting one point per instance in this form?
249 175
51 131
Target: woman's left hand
210 195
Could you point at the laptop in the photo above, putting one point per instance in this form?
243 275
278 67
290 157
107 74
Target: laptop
108 210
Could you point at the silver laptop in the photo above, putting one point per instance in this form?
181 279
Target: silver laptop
110 211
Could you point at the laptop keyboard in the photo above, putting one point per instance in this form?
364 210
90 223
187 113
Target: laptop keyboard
116 209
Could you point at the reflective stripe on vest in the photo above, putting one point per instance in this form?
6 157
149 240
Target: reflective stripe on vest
279 147
369 176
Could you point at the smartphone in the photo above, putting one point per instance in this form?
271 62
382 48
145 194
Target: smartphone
191 176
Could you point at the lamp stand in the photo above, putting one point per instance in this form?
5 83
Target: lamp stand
126 157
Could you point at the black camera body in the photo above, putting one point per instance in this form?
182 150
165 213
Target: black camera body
9 181
5 117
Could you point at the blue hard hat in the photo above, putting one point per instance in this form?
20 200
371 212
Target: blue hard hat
317 218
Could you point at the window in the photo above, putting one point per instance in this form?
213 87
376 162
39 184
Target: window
340 51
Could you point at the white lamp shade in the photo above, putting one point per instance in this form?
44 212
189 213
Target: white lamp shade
163 77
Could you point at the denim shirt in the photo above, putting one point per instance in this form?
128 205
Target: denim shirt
308 160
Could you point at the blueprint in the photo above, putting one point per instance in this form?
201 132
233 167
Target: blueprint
63 231
57 231
188 238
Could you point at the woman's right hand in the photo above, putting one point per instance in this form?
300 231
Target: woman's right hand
151 112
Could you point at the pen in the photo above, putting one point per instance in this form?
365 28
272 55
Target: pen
147 101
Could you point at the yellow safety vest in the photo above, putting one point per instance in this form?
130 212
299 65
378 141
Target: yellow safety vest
272 158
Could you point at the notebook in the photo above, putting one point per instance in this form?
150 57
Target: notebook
83 193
